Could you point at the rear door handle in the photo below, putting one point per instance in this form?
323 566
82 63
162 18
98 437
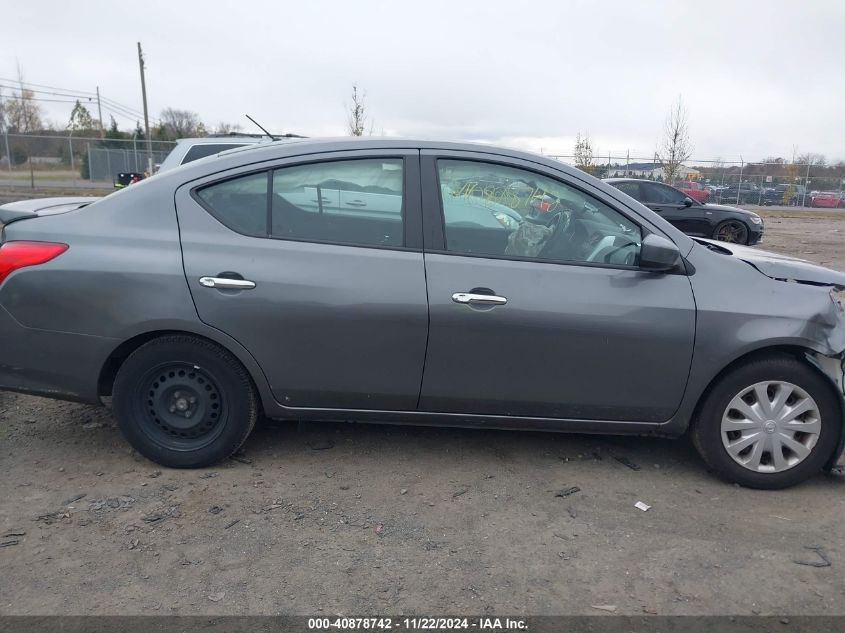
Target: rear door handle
356 203
226 284
476 299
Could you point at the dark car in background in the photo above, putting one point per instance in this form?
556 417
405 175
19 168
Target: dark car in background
784 195
715 221
739 193
417 282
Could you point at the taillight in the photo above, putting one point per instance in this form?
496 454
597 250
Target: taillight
15 255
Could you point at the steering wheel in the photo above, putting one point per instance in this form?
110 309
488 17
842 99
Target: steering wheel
558 225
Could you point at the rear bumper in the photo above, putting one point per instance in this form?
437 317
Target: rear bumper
53 364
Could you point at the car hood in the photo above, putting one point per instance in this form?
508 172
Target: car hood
779 266
724 207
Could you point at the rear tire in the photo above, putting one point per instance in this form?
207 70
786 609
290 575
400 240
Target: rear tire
184 402
757 465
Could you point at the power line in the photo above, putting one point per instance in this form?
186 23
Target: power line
109 105
27 83
51 100
81 97
67 92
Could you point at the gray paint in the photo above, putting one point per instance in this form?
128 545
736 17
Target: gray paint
333 332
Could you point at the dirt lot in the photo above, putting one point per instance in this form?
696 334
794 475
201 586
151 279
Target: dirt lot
360 519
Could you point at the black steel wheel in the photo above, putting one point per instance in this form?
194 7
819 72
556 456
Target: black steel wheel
182 405
184 402
733 231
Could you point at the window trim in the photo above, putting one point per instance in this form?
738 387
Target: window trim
410 187
443 246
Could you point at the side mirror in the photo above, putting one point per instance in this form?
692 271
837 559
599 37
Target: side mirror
688 202
657 254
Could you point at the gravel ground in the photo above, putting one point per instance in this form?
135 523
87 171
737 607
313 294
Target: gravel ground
363 519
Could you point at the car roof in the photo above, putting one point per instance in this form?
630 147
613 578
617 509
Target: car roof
203 140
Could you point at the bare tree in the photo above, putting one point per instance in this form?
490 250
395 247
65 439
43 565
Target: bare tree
22 114
675 146
180 123
357 118
812 159
584 153
227 128
2 112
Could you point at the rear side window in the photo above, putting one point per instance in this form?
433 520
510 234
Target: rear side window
357 202
347 202
631 188
201 150
239 203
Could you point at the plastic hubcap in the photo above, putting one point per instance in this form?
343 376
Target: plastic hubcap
771 426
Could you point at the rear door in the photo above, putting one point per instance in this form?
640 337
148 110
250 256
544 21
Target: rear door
330 299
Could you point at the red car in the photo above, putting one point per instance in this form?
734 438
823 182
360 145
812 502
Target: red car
829 199
694 190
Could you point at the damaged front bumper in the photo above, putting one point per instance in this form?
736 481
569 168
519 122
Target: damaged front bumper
834 368
833 364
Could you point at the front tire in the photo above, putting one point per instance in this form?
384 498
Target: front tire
184 402
770 423
732 231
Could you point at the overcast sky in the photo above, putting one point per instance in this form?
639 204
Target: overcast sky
757 77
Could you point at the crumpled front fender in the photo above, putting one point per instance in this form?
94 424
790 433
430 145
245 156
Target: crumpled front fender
834 368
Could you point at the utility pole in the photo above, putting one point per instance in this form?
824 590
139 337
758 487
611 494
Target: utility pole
100 113
146 115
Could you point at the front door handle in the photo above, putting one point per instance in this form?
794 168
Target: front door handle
476 299
222 283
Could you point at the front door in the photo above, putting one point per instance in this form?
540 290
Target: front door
673 206
316 268
545 319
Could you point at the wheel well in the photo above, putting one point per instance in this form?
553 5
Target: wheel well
125 349
794 351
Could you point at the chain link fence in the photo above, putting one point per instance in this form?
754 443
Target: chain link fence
68 161
762 183
52 160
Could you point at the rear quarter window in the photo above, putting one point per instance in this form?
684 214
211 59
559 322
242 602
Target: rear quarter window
239 203
202 150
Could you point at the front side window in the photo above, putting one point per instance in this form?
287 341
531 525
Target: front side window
495 210
349 202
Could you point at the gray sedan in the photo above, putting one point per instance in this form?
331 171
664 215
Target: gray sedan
414 282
